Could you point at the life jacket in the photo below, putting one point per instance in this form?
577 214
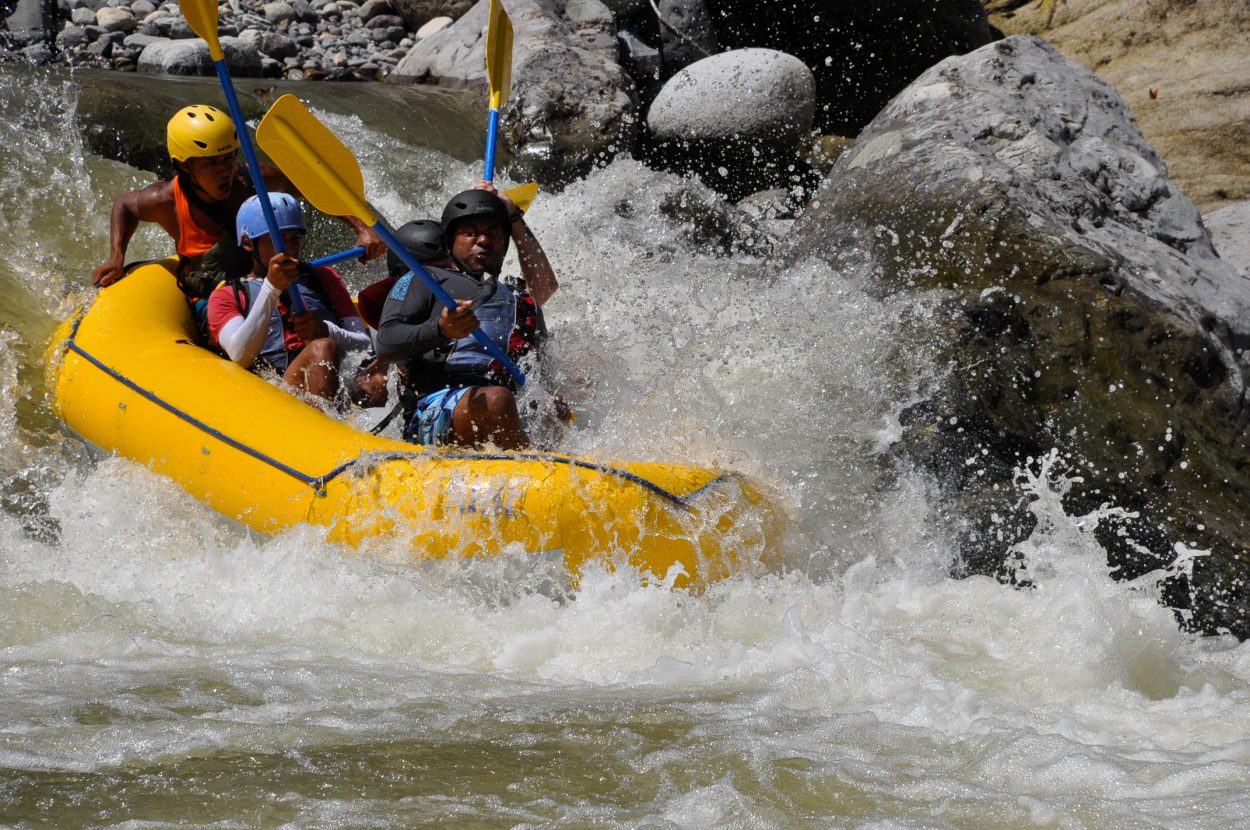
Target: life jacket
282 344
510 318
193 240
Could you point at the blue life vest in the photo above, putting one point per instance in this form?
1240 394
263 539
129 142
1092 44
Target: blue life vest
498 318
312 291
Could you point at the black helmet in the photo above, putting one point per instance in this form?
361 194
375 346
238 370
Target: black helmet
423 238
471 204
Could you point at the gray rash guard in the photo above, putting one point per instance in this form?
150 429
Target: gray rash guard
408 332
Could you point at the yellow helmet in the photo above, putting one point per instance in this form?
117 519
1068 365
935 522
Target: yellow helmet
200 130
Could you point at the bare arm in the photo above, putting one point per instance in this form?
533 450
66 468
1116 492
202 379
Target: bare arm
154 203
540 277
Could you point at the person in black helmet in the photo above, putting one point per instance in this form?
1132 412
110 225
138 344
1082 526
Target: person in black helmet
463 396
424 240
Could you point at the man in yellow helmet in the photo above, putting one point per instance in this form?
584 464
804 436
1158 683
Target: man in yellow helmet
197 208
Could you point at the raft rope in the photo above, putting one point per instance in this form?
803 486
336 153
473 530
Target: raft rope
318 483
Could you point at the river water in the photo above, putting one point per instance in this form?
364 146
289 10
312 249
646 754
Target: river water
161 667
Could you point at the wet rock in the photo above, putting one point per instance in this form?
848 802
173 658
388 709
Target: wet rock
278 46
72 36
384 21
83 16
190 57
279 12
139 41
1075 306
37 54
375 8
735 119
116 20
27 21
686 33
571 103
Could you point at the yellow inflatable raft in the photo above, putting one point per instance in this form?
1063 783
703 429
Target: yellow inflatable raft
129 378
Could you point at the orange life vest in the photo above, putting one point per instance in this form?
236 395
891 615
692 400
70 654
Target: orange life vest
192 239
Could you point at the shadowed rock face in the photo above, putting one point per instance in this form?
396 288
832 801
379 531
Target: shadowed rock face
862 54
416 13
1071 299
571 102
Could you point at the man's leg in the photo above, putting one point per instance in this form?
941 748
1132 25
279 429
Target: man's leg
488 414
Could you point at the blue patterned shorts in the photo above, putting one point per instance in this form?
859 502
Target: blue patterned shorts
431 423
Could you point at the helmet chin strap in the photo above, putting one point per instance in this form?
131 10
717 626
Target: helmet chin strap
474 273
489 285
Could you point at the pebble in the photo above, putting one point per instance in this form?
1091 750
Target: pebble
297 39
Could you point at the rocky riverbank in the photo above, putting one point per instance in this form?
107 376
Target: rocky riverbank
337 40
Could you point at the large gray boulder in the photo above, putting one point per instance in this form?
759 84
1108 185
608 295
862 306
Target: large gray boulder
571 104
752 95
734 119
1072 301
190 57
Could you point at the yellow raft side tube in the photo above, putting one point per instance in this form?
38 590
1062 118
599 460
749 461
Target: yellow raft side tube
129 378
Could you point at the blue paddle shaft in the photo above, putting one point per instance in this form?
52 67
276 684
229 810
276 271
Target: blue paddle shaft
446 299
492 134
350 253
253 168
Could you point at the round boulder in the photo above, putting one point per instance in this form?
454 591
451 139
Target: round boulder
735 120
116 20
190 57
747 94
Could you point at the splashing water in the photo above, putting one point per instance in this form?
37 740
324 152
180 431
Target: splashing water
160 664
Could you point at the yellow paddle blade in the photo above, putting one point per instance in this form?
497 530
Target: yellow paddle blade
201 16
498 54
315 161
523 194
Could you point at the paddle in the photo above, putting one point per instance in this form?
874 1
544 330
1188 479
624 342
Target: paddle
498 75
201 16
523 195
330 259
328 175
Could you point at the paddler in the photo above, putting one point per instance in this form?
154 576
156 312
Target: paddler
462 396
424 240
250 320
197 208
